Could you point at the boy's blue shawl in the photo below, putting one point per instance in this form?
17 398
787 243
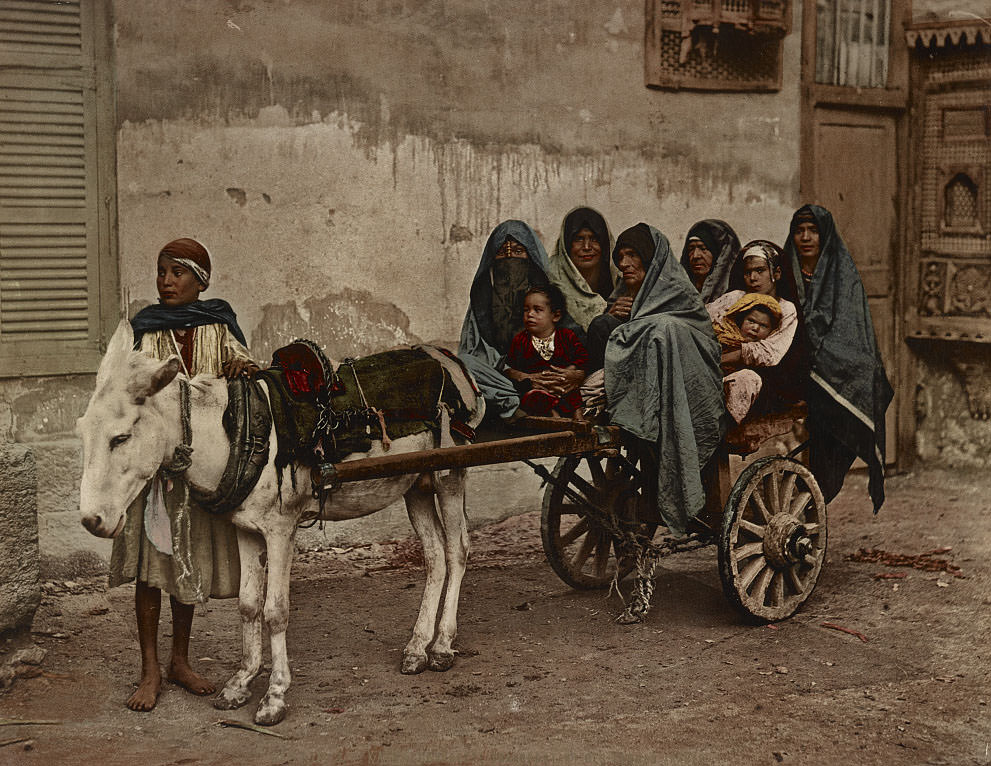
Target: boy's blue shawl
196 314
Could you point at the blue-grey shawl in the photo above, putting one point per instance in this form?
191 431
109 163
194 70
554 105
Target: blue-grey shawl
195 314
848 391
664 383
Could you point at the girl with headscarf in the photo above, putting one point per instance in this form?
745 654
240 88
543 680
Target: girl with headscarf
776 361
664 383
513 260
710 249
166 543
580 266
847 389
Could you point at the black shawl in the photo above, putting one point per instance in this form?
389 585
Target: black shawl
848 391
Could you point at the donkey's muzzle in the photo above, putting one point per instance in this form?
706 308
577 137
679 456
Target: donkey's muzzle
95 525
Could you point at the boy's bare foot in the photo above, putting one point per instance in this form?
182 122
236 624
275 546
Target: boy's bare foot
182 674
146 695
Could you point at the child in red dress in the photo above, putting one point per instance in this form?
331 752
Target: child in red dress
541 351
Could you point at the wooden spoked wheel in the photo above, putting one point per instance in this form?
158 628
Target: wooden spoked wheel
579 549
773 539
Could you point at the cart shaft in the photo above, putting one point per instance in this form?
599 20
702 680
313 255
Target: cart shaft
329 475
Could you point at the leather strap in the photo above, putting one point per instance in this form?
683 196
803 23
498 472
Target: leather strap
248 421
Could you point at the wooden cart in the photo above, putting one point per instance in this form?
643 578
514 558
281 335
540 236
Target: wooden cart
769 526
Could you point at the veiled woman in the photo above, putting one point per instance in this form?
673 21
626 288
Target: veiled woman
664 383
580 265
513 260
710 249
847 389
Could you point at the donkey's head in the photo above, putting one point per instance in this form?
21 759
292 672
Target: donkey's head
125 436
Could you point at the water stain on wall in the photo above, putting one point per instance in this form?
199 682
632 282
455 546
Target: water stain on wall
351 323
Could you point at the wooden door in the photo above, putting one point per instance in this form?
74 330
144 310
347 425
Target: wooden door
857 181
851 144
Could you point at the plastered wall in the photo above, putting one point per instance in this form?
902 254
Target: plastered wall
345 162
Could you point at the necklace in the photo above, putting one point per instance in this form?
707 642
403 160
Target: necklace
543 346
178 349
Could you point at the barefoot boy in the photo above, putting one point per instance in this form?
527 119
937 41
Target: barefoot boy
167 544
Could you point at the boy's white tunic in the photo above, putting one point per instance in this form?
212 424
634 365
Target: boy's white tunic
207 565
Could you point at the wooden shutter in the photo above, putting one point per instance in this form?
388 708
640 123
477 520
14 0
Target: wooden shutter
58 269
852 43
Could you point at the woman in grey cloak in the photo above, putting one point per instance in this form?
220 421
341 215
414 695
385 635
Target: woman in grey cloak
710 250
664 384
512 261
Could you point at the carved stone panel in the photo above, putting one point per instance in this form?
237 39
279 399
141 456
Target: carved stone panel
972 365
932 289
969 291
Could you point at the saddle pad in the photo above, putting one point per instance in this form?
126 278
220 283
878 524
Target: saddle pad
405 384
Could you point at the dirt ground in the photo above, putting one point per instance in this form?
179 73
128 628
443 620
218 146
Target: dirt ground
545 675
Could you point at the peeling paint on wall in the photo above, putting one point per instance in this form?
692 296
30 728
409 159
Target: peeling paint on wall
407 226
43 409
347 324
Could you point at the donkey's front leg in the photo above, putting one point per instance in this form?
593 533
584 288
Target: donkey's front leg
251 548
281 547
423 515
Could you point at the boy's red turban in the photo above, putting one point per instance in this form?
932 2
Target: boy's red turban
192 255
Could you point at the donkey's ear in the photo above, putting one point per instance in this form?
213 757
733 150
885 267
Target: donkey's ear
121 343
122 340
160 378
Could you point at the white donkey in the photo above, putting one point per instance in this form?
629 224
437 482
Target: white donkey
132 426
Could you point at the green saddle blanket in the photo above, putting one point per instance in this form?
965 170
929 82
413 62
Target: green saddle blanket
387 395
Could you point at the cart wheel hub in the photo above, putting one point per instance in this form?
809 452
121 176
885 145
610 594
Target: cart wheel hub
786 541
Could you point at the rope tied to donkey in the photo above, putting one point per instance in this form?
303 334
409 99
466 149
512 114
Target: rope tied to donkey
182 455
186 574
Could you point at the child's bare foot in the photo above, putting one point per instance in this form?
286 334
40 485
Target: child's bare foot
146 695
182 674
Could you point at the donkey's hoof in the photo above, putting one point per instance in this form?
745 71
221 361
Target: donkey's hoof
441 661
413 664
270 711
231 700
